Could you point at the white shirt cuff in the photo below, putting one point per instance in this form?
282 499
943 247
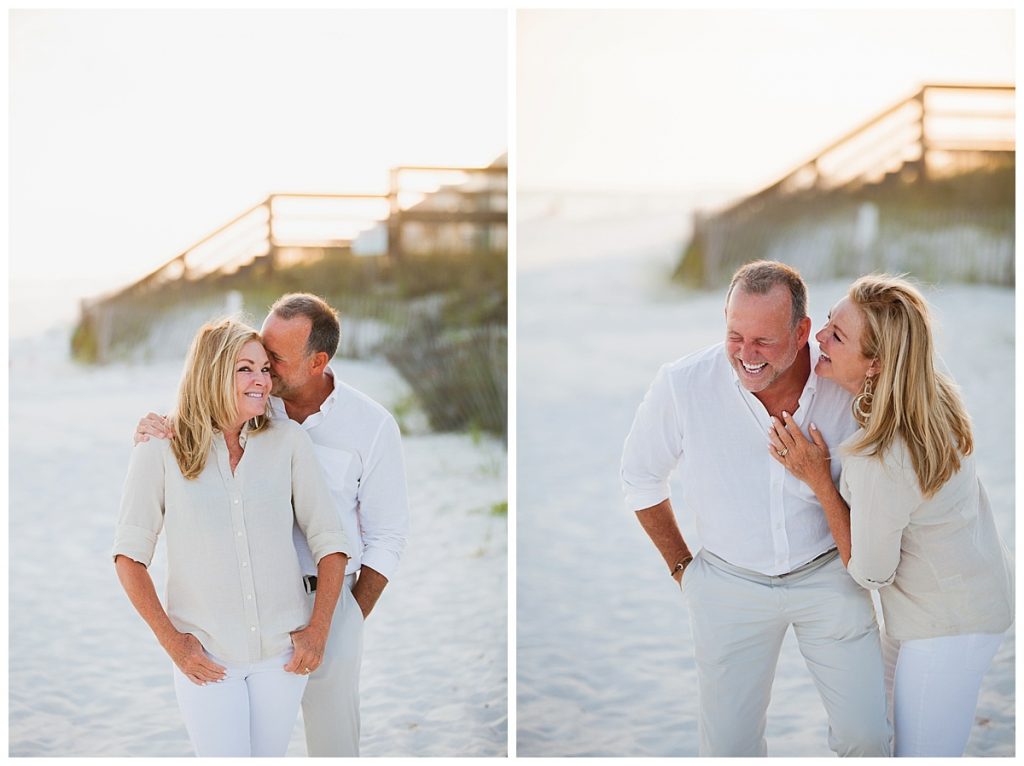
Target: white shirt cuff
638 499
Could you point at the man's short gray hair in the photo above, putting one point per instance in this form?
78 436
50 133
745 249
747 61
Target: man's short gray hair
325 332
759 277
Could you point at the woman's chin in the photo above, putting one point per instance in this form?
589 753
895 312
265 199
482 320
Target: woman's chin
246 415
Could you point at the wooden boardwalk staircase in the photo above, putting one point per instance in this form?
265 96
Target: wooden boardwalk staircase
864 199
427 209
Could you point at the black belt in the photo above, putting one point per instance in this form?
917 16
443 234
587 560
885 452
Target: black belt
309 582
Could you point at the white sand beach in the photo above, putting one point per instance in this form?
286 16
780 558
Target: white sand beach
604 660
86 676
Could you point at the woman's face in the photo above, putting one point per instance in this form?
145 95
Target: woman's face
252 381
840 344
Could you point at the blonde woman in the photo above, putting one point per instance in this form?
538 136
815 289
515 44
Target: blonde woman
228 491
910 517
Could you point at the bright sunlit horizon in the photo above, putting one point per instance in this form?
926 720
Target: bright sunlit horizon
690 100
133 134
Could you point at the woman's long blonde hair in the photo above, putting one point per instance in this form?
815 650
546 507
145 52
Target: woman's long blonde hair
206 395
911 399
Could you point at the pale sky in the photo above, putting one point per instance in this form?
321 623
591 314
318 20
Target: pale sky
692 100
135 133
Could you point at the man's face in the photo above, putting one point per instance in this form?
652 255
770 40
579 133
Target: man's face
760 340
285 341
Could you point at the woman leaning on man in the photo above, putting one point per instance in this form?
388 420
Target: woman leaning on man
228 490
910 517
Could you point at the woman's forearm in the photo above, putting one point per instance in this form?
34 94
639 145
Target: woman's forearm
183 648
837 514
330 574
138 585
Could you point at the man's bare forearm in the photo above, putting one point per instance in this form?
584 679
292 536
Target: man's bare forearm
330 574
659 522
369 585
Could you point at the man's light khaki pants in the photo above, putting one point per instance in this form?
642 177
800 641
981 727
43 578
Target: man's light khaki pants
739 619
330 705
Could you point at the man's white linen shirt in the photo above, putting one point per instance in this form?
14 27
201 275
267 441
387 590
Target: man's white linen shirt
359 446
749 509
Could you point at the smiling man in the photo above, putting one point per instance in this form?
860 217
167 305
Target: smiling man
767 560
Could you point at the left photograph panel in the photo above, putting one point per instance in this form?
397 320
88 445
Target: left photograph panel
258 427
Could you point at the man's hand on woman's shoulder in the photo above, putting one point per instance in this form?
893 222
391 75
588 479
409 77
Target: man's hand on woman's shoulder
153 425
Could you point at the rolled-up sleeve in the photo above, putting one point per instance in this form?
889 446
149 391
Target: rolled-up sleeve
312 503
142 503
653 447
881 496
383 502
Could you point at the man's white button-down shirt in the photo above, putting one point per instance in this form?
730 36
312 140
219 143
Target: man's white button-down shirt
358 444
749 510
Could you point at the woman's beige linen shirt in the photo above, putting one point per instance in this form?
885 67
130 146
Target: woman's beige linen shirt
233 576
938 563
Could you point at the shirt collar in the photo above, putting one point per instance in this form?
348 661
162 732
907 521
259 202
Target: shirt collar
812 379
243 436
333 396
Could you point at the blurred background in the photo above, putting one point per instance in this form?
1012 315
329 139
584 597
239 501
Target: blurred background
167 167
656 152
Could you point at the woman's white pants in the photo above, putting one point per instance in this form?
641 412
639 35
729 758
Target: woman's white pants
250 713
935 684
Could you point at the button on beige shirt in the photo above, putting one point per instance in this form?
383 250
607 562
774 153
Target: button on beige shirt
233 576
938 563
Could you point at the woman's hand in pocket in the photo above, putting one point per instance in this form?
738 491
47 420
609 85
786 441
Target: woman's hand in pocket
188 655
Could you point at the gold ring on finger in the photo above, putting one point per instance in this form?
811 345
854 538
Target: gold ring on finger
783 452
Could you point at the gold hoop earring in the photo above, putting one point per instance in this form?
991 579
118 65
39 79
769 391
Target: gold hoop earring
862 402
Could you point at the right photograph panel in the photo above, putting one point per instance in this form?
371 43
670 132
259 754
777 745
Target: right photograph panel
765 395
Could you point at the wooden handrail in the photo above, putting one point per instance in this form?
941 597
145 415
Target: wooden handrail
967 86
489 170
864 127
223 228
390 213
315 195
180 256
917 97
812 162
